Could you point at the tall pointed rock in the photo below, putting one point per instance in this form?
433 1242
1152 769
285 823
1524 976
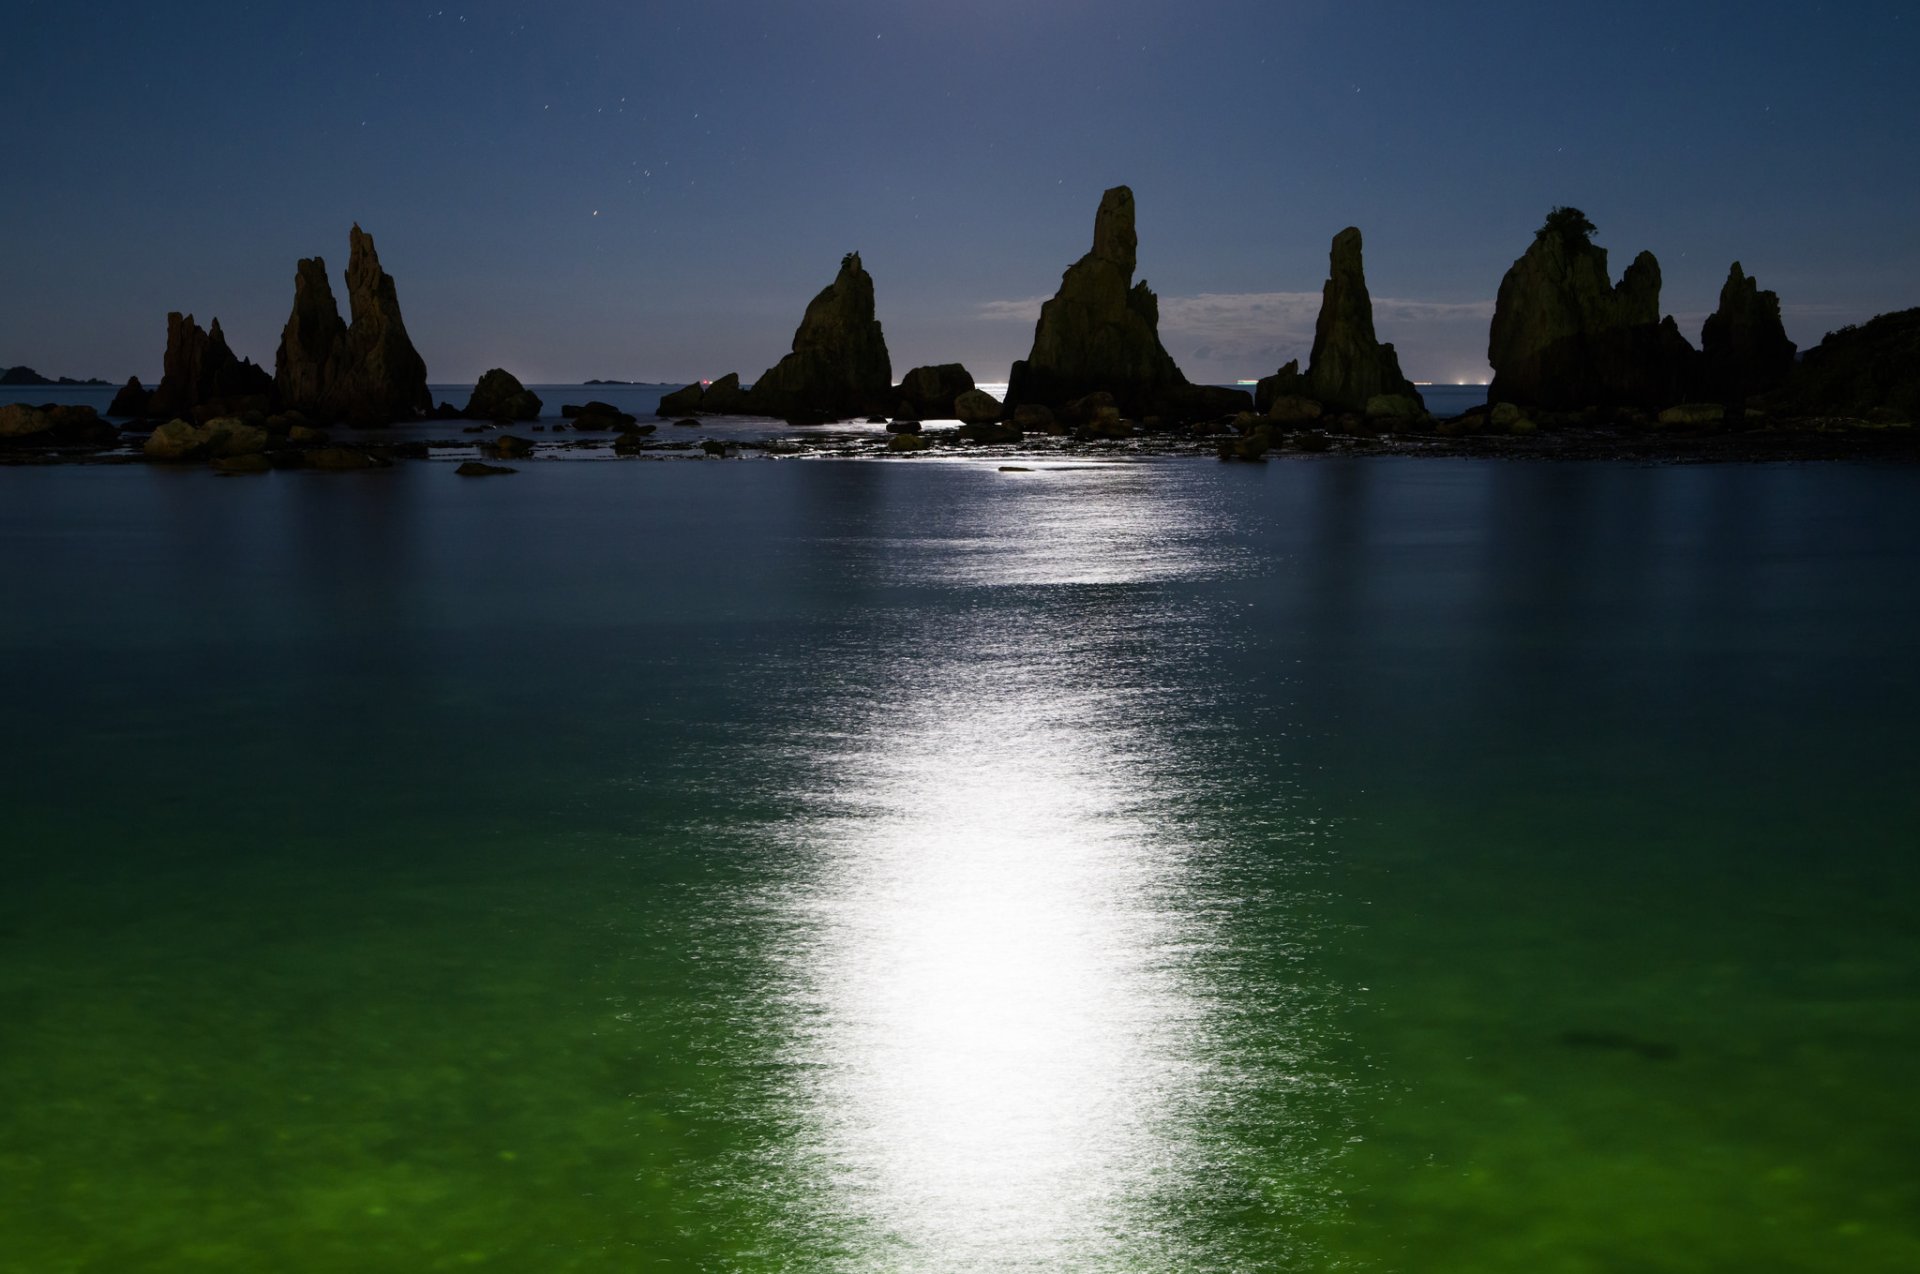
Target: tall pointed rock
839 365
307 369
1349 364
1744 344
366 371
1101 331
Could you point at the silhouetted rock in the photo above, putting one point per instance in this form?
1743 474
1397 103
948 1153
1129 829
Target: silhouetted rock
724 397
480 469
1101 330
1564 337
1862 371
929 392
201 375
367 372
839 365
1349 366
498 396
508 447
1744 347
22 376
976 407
131 400
1285 383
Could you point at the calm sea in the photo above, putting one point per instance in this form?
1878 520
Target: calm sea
1327 865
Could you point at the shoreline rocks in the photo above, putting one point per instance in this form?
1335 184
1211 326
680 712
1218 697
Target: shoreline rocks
499 396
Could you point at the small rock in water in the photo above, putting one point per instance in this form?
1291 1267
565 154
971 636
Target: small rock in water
480 469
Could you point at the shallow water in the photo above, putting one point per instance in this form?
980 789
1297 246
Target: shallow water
1397 865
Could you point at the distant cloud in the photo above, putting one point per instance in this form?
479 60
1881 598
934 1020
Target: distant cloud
1224 335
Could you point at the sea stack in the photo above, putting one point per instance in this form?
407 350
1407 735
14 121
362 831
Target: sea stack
1564 337
202 377
367 372
1101 331
1744 346
929 393
1350 366
839 365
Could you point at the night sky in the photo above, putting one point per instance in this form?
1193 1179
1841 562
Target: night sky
654 191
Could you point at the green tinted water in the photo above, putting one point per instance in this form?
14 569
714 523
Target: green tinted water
1385 865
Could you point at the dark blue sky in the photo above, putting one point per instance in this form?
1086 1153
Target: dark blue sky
654 191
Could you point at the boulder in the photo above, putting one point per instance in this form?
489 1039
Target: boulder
1564 337
1293 409
976 407
1858 371
227 436
498 396
1349 366
628 444
903 426
929 392
131 401
367 372
508 447
1100 331
1693 415
340 459
839 366
1395 407
19 421
985 431
480 469
202 375
725 397
175 440
909 442
1744 348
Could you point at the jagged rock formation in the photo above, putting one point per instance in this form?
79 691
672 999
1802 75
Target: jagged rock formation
367 372
1285 383
202 377
500 396
1101 331
1349 366
722 397
928 393
1744 347
1565 337
131 400
839 364
1866 371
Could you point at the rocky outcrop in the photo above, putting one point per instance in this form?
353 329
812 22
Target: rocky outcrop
1866 371
976 407
131 400
1565 337
1744 348
1285 383
499 396
839 365
368 371
722 397
928 393
1349 366
202 377
1101 330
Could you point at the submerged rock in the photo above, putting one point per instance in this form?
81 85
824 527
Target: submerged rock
1743 346
1101 330
839 366
1564 337
480 469
202 376
1349 366
367 372
499 396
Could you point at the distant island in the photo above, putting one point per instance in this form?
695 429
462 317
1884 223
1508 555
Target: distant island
27 376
